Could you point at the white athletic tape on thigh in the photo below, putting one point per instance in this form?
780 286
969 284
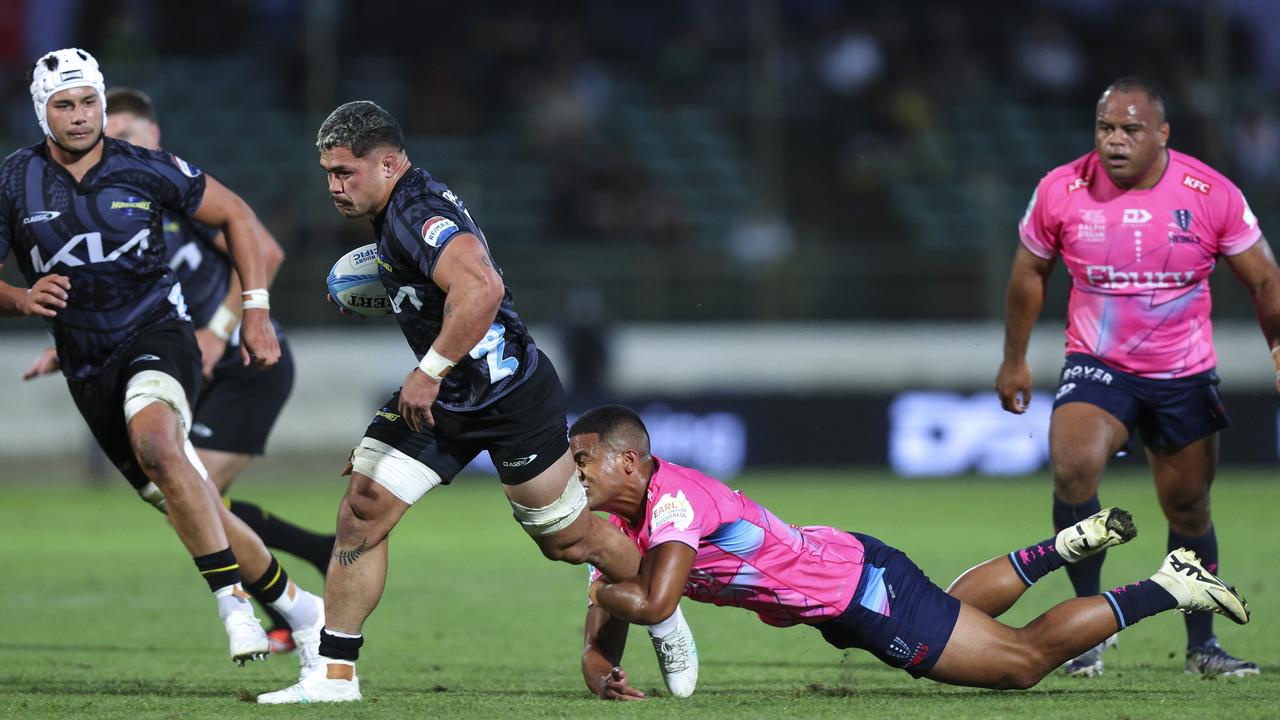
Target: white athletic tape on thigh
556 516
150 386
402 475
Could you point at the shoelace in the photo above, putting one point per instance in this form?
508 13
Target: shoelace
672 654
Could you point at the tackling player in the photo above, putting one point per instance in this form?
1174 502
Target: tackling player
713 544
82 213
1139 227
481 385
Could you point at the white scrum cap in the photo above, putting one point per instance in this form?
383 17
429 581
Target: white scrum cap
61 70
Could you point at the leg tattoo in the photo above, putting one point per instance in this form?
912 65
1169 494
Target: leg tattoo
348 557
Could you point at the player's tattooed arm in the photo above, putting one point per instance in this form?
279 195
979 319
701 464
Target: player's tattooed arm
448 309
348 557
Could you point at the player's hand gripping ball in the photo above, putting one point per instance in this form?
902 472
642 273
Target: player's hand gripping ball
354 284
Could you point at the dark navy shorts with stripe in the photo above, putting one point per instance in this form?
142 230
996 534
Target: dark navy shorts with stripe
1168 413
896 614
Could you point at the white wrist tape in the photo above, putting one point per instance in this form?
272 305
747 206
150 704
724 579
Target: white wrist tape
223 322
258 299
435 365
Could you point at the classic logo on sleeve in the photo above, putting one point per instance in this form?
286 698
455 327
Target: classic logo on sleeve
674 510
438 229
187 169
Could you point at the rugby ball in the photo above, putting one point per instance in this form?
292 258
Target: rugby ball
354 283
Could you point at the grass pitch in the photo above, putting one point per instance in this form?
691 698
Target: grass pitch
104 617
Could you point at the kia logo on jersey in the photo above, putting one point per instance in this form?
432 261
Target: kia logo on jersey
1137 216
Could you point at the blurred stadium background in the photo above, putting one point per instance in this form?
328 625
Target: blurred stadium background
781 228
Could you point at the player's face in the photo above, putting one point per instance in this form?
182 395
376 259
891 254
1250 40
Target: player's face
598 469
133 129
356 186
75 118
1130 136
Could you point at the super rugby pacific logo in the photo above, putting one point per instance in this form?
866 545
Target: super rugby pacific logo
187 169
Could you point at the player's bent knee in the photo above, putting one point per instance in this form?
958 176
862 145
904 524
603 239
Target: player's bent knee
153 386
547 521
158 454
399 474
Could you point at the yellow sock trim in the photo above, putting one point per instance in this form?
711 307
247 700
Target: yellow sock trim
279 569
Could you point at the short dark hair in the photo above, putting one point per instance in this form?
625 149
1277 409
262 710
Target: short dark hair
361 125
617 425
1137 83
129 100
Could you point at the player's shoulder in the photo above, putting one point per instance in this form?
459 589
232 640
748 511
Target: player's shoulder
20 158
672 477
129 154
419 190
1069 177
1195 175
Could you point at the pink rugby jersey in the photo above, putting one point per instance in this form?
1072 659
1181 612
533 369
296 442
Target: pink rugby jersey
1140 260
747 557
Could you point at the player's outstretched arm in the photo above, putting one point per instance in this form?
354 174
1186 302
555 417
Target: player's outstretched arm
650 597
1257 270
605 639
224 209
1023 300
473 293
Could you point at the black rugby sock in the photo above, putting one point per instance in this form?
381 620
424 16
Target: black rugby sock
283 535
1199 624
1131 603
219 569
1035 561
1086 575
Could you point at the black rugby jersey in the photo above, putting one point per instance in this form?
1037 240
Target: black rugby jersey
421 217
203 269
104 233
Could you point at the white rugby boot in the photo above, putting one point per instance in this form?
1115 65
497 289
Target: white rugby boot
1197 589
315 688
677 657
307 640
247 639
1101 530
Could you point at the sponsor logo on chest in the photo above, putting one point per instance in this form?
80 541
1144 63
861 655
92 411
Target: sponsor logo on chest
1195 183
1092 227
1107 276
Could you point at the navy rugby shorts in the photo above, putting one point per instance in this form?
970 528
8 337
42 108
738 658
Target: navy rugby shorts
524 432
169 348
1168 413
896 614
239 405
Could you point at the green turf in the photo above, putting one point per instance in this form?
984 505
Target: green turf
103 616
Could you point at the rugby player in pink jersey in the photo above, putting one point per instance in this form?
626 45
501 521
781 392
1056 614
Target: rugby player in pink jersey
703 540
1139 227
